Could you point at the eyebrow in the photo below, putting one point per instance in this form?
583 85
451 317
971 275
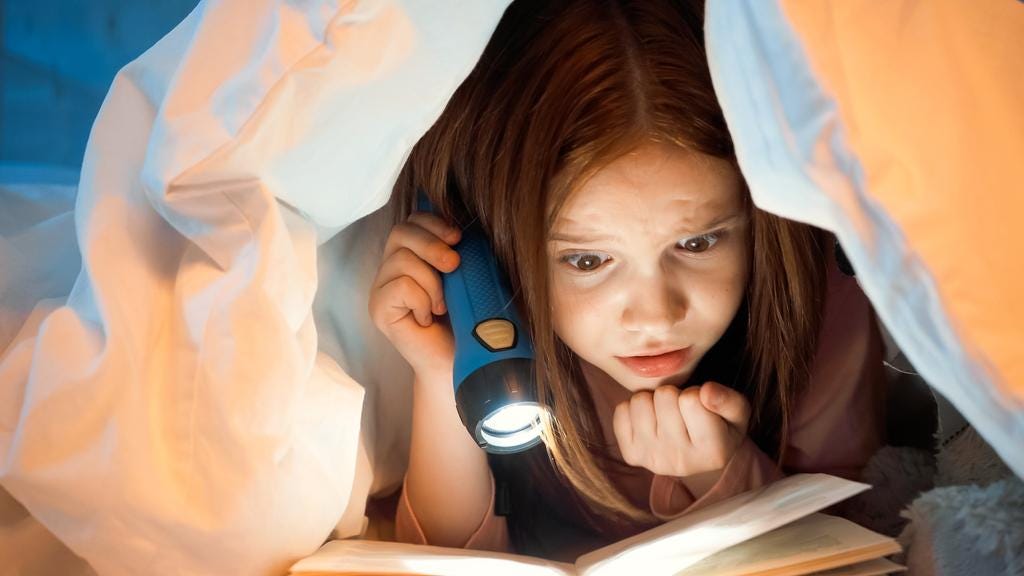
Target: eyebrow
584 238
579 239
717 223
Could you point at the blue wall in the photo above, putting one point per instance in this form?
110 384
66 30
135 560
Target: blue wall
57 59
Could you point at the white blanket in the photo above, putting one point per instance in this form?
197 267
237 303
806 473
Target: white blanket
900 127
173 413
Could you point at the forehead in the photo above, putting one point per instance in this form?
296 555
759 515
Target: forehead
651 185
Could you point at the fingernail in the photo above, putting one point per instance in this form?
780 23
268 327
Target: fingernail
713 396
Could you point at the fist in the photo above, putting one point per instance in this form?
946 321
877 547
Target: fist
407 293
681 433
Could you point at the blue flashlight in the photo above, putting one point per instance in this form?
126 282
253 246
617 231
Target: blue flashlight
495 391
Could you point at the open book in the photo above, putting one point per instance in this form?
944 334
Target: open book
773 530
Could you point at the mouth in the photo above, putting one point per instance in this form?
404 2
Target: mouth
657 365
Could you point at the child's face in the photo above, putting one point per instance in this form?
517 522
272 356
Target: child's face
650 256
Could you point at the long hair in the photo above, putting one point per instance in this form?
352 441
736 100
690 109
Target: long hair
563 88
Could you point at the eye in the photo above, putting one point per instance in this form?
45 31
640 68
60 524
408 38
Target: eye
698 244
585 262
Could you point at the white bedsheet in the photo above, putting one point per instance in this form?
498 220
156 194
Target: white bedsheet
173 413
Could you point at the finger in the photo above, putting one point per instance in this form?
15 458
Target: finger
732 406
669 421
399 298
623 429
641 416
424 243
437 226
406 263
705 428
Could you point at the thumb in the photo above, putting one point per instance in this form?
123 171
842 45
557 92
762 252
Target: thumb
727 403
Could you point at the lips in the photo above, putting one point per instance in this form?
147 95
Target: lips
656 366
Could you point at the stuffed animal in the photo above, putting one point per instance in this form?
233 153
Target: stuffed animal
956 508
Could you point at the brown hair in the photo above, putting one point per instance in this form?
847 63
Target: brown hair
563 88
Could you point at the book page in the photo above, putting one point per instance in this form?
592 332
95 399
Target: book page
682 542
810 544
371 557
876 567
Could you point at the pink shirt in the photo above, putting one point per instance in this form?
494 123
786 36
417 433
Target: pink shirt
837 426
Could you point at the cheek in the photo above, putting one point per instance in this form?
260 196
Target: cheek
717 294
579 315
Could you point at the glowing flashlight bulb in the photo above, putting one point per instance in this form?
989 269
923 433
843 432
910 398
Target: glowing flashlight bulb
513 418
514 426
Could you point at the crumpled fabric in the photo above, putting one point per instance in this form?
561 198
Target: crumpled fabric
900 128
170 410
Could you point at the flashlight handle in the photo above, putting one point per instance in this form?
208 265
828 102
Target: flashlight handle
483 317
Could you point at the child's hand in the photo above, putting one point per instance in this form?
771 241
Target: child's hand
407 293
676 432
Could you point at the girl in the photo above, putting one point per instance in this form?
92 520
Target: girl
690 345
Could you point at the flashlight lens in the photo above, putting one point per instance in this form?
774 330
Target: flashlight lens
514 426
513 418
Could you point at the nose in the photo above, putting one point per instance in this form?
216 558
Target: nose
655 305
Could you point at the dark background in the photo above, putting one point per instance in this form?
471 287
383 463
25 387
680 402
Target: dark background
57 60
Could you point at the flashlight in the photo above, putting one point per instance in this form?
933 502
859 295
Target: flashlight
493 376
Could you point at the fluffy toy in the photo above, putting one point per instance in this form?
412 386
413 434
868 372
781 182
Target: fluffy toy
972 522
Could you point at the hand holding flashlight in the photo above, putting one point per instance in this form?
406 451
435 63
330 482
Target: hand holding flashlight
407 304
407 293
